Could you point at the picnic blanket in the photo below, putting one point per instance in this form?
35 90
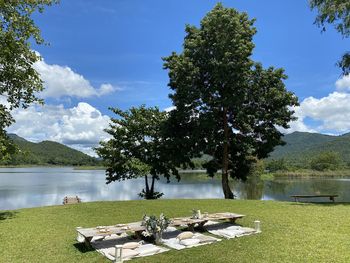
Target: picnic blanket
107 245
170 240
228 230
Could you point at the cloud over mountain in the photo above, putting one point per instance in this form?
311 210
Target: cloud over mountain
330 113
80 127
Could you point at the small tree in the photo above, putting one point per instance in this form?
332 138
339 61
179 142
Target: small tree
137 148
326 161
227 106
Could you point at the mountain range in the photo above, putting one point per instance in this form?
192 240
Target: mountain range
300 147
47 153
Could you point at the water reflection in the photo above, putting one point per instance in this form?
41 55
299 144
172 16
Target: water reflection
30 187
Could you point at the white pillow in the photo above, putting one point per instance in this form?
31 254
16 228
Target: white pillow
189 242
148 250
185 235
126 253
131 245
129 253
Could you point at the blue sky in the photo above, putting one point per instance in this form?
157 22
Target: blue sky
120 43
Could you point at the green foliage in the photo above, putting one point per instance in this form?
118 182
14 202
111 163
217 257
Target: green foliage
19 82
137 148
325 161
45 153
336 12
276 165
227 106
257 167
7 148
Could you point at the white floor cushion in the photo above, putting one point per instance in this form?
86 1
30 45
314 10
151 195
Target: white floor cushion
185 235
126 253
148 249
131 245
189 242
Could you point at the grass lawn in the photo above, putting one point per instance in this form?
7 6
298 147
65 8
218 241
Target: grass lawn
292 232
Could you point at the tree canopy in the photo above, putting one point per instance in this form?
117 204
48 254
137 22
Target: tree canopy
226 105
336 13
137 149
19 82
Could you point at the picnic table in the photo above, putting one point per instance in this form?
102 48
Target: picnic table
232 217
137 228
89 233
331 197
199 222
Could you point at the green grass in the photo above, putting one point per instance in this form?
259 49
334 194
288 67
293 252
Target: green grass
292 232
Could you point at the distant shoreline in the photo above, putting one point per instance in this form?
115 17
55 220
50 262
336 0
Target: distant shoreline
306 173
303 173
83 167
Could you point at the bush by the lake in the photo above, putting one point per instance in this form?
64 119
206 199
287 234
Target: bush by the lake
276 165
326 161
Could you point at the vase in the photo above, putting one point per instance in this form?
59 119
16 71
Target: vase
158 238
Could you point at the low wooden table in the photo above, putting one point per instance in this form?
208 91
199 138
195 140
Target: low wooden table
191 222
89 233
331 197
137 228
232 217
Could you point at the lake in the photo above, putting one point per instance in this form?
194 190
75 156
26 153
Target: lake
42 186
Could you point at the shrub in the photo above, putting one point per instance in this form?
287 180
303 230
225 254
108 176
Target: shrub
326 161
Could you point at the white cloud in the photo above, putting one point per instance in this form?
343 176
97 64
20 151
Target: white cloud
171 108
105 89
343 84
329 114
80 127
333 111
62 81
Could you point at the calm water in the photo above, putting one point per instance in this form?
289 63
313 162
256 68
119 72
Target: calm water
31 187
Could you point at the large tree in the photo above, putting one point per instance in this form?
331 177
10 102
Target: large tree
335 12
226 105
137 149
19 82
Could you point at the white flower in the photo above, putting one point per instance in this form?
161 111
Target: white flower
146 234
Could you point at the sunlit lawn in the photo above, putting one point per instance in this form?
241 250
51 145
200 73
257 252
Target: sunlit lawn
292 232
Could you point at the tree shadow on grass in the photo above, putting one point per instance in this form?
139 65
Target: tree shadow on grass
8 215
83 248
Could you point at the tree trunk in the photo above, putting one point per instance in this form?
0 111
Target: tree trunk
152 186
149 193
146 182
224 178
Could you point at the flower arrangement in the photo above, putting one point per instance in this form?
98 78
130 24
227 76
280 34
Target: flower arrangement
155 226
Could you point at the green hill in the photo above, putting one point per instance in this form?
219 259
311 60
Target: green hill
302 146
47 153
